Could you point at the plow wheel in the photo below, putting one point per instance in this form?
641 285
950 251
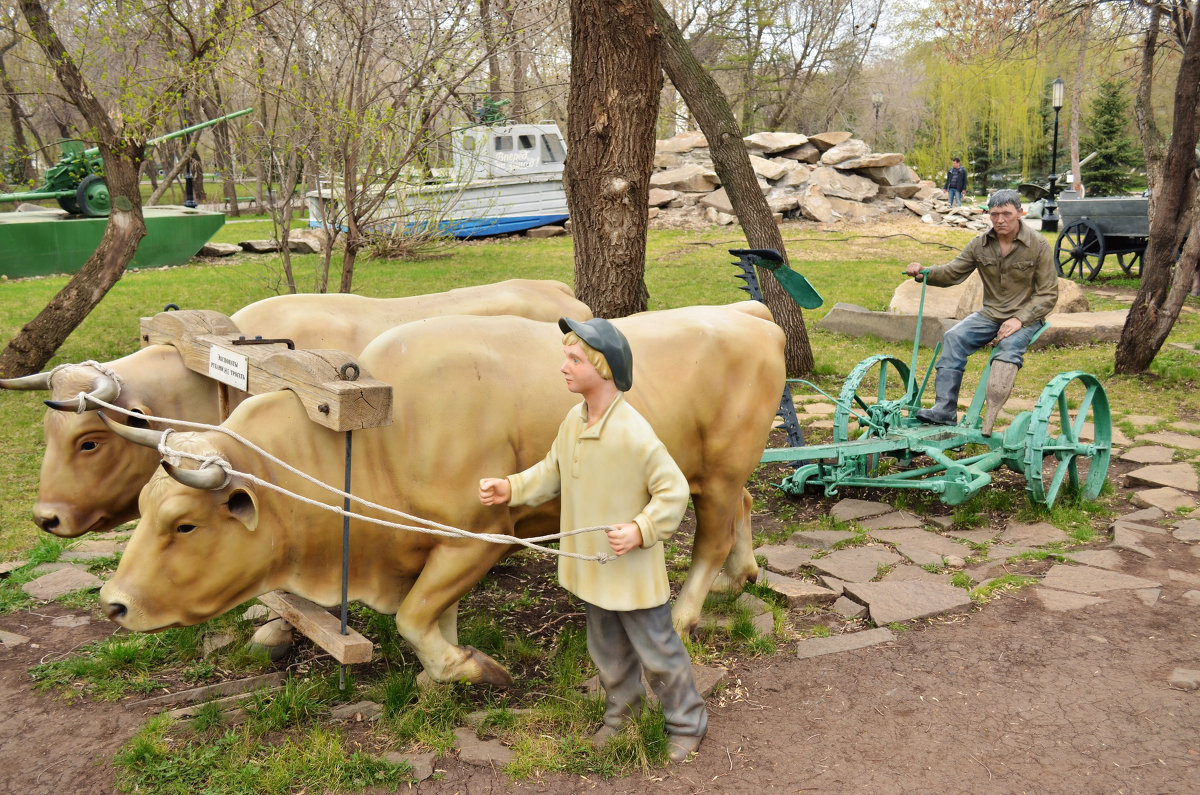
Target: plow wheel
1080 247
1065 443
875 388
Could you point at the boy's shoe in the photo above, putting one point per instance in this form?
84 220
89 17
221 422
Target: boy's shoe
681 746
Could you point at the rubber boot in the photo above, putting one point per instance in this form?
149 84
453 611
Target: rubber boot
945 406
999 387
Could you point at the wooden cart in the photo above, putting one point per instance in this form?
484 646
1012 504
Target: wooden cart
1093 229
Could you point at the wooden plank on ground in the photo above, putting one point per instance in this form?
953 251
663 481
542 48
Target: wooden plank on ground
228 704
207 692
336 392
320 626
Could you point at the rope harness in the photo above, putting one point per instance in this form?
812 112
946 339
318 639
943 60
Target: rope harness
427 526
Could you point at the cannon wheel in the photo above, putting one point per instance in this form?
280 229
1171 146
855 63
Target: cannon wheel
92 197
1057 446
68 204
874 381
1080 246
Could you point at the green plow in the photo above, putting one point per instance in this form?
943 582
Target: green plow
1063 443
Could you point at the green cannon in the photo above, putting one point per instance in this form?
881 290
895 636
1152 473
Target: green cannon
76 182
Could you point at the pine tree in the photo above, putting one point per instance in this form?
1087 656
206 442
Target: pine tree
1109 124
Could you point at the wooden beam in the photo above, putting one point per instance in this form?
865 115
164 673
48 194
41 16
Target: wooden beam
322 627
335 390
206 692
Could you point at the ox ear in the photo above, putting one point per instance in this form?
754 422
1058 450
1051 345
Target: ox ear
135 421
244 507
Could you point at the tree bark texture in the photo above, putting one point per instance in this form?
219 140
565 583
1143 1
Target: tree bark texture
36 343
1166 279
706 102
616 75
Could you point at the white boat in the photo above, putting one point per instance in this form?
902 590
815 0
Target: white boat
504 179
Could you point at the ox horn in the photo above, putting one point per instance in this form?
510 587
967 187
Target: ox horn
103 388
142 436
209 477
28 382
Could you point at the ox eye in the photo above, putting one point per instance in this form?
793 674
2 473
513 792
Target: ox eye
185 528
87 446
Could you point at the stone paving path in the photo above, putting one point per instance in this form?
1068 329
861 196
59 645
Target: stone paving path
892 566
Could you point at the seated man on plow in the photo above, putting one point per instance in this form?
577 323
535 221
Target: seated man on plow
1020 287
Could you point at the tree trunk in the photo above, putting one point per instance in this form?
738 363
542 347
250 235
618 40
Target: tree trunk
706 102
1077 97
1165 282
17 119
615 79
33 346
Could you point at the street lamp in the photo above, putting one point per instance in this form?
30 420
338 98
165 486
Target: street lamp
1050 212
877 101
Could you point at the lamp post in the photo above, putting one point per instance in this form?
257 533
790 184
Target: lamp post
877 101
1050 213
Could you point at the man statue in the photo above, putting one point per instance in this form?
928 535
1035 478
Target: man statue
1020 287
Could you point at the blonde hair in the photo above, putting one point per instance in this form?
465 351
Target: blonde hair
594 357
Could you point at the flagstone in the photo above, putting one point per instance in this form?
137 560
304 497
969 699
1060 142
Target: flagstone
1090 580
1149 454
800 593
891 520
815 647
848 608
1186 577
1177 476
1184 426
1187 530
1192 598
1088 433
50 586
1036 534
1126 538
922 556
859 564
1172 438
1165 499
10 566
784 558
71 621
888 602
11 639
1144 515
945 522
1141 420
850 510
1138 527
1184 679
1100 558
997 552
1061 601
821 539
973 536
91 549
907 572
1148 596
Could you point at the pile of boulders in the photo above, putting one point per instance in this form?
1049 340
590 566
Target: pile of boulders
824 178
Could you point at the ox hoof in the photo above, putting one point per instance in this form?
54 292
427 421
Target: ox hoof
727 584
490 671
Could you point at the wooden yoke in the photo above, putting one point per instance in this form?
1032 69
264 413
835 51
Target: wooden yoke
335 391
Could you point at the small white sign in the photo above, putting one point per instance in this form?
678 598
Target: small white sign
229 368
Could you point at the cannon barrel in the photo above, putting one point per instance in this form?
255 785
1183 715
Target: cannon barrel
95 150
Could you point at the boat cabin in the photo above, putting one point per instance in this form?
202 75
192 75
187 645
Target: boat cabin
508 151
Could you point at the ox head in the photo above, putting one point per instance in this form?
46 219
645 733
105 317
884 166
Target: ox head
90 477
195 553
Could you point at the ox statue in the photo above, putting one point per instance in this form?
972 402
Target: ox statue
90 478
473 395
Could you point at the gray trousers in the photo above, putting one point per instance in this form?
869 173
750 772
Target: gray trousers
623 644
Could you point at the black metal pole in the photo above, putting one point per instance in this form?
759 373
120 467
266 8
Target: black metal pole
345 552
1050 212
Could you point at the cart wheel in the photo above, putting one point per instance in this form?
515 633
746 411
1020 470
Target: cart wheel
1129 261
92 197
1079 247
1063 443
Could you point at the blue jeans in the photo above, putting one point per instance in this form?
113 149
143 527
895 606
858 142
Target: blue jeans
973 332
955 197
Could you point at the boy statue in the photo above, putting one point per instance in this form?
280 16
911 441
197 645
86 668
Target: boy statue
611 470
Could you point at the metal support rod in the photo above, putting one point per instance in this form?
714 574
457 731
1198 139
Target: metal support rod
1050 212
346 550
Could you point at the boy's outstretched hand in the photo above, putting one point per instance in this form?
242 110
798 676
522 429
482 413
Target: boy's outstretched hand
494 491
624 537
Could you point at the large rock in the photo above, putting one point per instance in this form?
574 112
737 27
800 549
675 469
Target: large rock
782 201
719 201
684 142
260 246
814 206
869 160
827 140
804 154
854 211
903 191
690 178
891 175
771 142
768 169
960 300
852 149
797 174
211 249
844 186
659 197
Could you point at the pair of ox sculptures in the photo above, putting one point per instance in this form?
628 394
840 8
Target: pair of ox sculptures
476 390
